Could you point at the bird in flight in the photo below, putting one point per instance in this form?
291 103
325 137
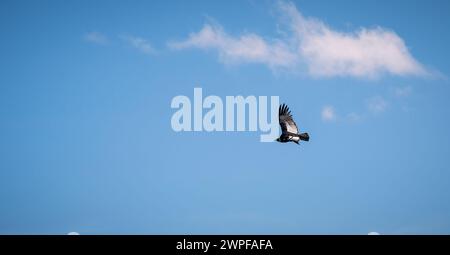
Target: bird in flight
289 130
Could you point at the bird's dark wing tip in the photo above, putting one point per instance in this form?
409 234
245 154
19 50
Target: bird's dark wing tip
283 109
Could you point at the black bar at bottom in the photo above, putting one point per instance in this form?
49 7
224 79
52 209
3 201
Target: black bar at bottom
226 244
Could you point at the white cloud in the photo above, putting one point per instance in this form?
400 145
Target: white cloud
328 113
95 37
373 233
139 43
73 233
365 53
249 48
362 53
377 104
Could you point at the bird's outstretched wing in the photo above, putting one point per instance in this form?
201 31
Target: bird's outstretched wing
286 121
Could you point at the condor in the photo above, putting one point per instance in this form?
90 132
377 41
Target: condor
289 130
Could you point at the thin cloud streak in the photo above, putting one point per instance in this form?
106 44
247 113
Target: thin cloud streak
139 43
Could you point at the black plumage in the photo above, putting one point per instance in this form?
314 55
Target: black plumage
289 130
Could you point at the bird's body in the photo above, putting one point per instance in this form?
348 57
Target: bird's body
289 130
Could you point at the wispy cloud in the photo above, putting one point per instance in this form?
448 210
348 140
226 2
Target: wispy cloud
374 105
96 38
139 43
377 104
365 53
249 48
328 113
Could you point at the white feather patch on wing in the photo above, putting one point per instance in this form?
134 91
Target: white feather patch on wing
291 127
294 138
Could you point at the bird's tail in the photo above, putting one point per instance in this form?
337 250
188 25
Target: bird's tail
304 136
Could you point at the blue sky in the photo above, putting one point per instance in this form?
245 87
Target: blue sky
87 145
